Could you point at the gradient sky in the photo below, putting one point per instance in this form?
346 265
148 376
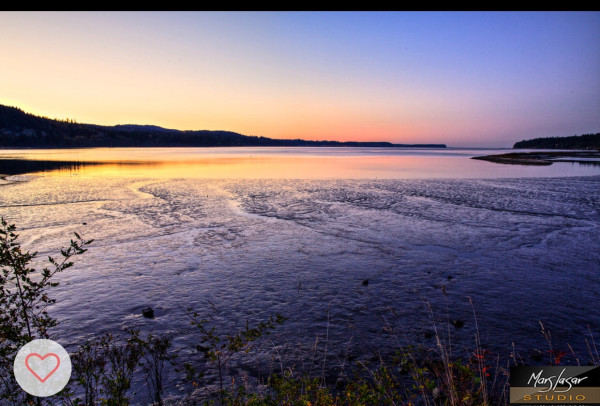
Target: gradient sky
460 78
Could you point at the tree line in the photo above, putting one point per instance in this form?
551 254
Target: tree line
22 130
585 141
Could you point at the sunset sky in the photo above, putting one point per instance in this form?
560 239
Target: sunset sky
460 78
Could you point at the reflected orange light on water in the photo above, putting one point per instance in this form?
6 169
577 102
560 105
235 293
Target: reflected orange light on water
228 163
286 163
259 168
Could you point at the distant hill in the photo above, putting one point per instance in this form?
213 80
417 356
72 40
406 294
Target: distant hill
22 130
585 141
138 127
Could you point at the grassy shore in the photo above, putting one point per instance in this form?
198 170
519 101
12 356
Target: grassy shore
543 158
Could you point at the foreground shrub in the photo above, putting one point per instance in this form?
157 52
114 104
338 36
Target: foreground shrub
24 299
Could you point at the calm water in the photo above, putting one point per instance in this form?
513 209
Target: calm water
291 163
246 233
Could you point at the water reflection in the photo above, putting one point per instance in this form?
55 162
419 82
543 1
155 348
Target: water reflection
22 166
274 163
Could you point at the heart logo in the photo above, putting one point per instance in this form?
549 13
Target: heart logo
52 355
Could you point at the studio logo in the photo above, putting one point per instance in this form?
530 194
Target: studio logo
42 367
547 385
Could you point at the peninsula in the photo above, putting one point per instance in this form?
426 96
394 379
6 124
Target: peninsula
585 149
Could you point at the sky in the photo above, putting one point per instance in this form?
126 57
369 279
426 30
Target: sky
466 79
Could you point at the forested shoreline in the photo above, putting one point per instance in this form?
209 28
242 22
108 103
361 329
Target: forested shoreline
22 130
585 141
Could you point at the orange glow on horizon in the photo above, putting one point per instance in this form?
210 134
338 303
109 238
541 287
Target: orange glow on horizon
334 128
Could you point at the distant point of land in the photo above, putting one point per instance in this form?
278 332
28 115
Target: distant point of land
585 151
22 130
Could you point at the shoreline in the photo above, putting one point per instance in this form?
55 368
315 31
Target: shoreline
543 158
